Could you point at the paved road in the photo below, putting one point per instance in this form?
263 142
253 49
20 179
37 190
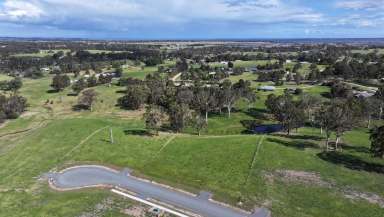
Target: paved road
92 175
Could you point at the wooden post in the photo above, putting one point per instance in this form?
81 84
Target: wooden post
111 135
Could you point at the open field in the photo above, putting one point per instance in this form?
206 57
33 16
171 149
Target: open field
240 63
366 51
5 77
224 160
41 53
220 164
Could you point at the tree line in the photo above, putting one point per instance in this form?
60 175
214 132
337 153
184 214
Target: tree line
182 105
336 116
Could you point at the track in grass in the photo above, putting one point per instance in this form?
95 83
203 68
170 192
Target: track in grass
254 158
83 141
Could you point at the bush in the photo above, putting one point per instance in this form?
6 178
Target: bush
298 91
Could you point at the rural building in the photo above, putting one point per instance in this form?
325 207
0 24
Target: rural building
363 94
267 88
45 69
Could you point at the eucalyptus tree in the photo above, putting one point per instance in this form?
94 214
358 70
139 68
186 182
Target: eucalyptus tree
204 100
88 98
380 96
370 108
310 103
79 86
377 142
339 116
153 118
324 119
60 82
179 116
230 94
286 111
199 123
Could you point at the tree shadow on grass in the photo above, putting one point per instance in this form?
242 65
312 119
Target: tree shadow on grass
52 91
298 144
356 148
351 162
223 113
326 95
303 137
257 113
80 107
137 132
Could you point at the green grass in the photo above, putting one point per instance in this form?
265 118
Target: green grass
42 53
219 161
4 77
137 72
245 76
220 164
367 51
240 63
103 51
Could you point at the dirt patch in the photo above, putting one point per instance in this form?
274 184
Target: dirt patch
29 114
135 211
301 177
370 197
314 179
99 209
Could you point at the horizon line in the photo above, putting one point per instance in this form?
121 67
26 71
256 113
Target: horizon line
188 39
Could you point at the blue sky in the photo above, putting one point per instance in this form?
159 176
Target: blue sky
192 19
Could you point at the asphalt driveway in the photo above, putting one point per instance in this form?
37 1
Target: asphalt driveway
86 176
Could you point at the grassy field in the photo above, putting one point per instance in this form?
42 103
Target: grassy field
44 53
367 51
5 77
224 160
141 72
41 53
240 63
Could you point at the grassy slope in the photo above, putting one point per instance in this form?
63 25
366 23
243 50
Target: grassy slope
218 164
219 161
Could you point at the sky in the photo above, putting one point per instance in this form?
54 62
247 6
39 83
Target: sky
192 19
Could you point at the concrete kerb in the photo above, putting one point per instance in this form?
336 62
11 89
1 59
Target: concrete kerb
158 202
147 202
52 185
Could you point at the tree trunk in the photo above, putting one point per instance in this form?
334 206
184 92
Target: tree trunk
309 116
321 130
337 141
111 135
229 111
369 121
206 116
381 111
327 143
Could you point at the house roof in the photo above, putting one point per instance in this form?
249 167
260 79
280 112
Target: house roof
271 88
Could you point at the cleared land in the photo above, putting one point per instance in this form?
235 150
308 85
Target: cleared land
291 175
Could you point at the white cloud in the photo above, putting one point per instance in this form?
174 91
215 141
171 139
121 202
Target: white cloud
20 10
361 4
366 13
119 14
